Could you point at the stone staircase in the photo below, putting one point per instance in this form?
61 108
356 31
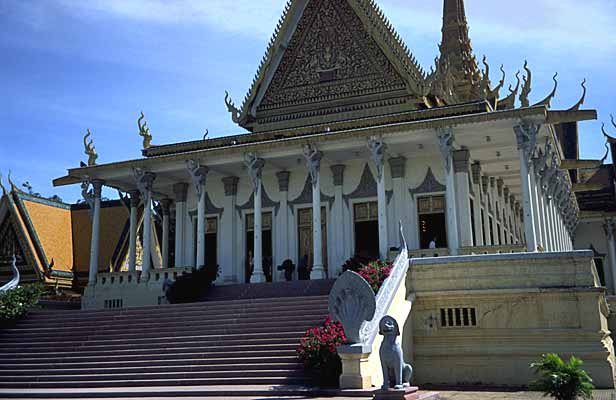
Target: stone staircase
241 341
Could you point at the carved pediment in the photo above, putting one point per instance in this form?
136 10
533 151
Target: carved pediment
331 55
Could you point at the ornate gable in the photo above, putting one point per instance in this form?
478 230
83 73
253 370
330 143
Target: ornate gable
331 60
331 55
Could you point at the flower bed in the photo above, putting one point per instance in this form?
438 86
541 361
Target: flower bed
317 351
374 272
16 303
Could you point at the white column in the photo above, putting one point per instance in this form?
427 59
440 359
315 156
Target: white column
283 226
461 159
313 162
165 203
526 135
145 180
476 168
492 190
338 217
198 175
93 198
132 241
255 169
485 184
180 190
611 249
446 139
230 262
377 152
507 216
536 208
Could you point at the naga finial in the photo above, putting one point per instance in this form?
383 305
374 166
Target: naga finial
548 100
526 89
612 119
207 132
235 113
607 135
484 84
90 150
607 151
495 93
13 186
4 191
577 105
144 132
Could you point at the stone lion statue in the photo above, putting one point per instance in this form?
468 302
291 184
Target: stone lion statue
396 373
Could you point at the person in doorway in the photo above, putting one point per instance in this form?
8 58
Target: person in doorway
432 244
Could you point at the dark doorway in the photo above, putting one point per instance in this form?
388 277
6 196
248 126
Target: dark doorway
305 243
366 229
432 222
432 227
266 246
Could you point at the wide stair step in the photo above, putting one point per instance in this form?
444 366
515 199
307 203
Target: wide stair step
242 336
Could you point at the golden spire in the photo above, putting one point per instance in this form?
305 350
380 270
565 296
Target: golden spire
456 48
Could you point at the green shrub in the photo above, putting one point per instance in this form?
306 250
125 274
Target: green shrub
562 380
15 303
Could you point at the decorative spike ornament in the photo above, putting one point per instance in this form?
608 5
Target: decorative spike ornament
576 106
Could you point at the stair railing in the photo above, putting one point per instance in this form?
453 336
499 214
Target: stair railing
353 303
13 283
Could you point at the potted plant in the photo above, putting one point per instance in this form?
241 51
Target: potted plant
317 351
562 380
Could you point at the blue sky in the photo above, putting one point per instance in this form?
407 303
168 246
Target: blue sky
68 65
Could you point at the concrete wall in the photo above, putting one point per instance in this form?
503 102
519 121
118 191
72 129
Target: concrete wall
526 305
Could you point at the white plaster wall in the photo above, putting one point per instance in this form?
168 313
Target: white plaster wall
232 239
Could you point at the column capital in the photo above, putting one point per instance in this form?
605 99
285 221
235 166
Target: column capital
506 194
135 198
283 180
255 165
145 180
608 227
492 182
180 191
476 168
338 173
446 139
461 160
484 183
398 167
230 184
313 161
378 149
526 135
499 186
165 205
198 175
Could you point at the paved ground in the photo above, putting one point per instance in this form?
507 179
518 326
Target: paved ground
599 395
445 395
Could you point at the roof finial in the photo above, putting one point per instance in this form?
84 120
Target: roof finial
13 186
235 113
207 132
577 105
612 119
90 150
144 132
4 191
509 101
526 89
548 100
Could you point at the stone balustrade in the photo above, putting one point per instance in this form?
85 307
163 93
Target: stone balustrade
423 253
502 249
128 289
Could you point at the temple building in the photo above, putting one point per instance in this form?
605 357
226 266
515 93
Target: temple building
344 142
50 239
347 135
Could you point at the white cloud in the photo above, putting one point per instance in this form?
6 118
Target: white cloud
253 18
